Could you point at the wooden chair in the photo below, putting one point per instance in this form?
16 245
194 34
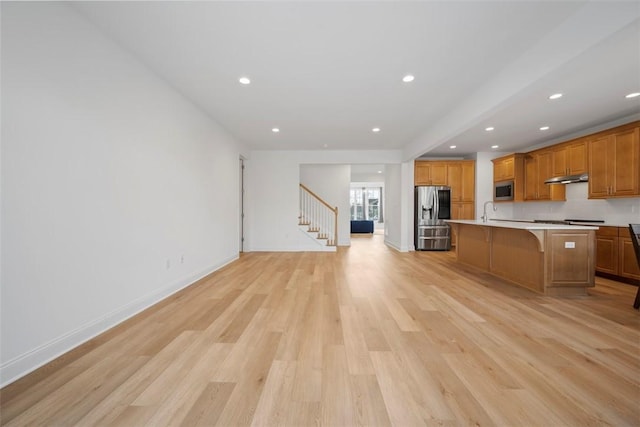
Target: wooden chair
634 230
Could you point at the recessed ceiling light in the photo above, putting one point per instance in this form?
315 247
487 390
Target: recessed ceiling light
633 95
244 80
556 96
375 130
275 130
452 146
379 171
489 129
495 146
544 128
408 78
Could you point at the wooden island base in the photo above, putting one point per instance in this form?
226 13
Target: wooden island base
549 261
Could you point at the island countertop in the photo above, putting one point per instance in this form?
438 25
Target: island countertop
522 225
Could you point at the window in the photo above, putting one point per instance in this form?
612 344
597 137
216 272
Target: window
366 203
357 203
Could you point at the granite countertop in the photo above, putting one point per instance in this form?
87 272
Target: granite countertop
523 225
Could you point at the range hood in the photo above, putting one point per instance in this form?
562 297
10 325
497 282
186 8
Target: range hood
568 179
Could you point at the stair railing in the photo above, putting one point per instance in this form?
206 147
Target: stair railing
318 215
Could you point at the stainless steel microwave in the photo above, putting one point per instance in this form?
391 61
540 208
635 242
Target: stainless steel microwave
503 191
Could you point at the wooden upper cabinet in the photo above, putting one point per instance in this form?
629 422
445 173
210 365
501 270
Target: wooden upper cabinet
430 173
578 155
461 179
504 169
537 169
454 180
626 172
439 174
560 163
460 175
421 173
531 177
600 165
469 182
614 164
544 173
570 159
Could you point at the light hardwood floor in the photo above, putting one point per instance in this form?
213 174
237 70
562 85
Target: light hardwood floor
364 336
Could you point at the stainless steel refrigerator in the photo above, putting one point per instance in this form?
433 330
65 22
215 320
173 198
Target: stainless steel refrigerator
432 207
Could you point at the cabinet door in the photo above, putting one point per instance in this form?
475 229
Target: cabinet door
530 178
503 169
498 171
600 163
544 173
627 261
454 180
461 211
607 254
469 181
626 168
421 173
560 161
577 157
628 264
438 173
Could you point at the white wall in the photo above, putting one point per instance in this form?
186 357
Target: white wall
407 208
578 206
392 207
332 184
484 187
108 174
272 191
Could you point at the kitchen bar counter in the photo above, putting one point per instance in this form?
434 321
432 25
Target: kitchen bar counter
552 259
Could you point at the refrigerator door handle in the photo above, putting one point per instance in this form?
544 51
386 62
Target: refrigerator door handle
436 204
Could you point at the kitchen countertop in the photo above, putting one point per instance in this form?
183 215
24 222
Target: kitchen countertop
595 224
521 225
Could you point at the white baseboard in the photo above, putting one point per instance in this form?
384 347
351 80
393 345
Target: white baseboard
22 365
392 245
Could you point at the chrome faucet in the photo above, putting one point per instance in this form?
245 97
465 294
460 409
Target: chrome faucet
484 216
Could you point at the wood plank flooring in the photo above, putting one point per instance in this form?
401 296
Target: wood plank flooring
364 336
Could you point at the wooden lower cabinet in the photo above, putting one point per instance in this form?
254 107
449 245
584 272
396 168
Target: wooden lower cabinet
607 250
552 262
615 254
461 211
627 261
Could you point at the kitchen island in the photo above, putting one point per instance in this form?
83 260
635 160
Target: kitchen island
552 259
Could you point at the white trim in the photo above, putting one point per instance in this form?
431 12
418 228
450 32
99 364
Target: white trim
22 365
392 245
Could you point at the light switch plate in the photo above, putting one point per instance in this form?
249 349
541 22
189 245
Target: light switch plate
569 245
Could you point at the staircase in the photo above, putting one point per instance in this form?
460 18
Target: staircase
318 219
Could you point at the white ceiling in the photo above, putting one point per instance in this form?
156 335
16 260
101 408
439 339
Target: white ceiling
326 73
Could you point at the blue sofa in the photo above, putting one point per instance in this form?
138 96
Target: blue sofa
362 226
